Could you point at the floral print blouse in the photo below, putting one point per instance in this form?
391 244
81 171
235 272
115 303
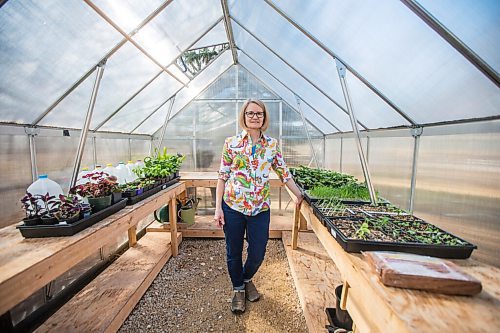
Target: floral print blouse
245 168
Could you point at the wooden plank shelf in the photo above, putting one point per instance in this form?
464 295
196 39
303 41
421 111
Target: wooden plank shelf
105 303
204 227
377 308
29 264
315 277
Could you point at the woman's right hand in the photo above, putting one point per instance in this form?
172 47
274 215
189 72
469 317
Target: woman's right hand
219 217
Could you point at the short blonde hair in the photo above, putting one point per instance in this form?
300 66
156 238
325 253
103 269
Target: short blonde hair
241 117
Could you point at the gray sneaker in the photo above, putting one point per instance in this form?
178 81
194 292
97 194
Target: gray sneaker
238 302
252 293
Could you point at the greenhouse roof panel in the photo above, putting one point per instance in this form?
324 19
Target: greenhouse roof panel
402 70
46 46
142 105
284 92
400 55
217 35
128 14
115 88
476 23
176 27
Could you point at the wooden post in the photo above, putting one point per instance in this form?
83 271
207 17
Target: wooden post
132 236
343 297
295 227
172 211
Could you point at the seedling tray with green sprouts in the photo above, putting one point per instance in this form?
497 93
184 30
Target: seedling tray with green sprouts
402 233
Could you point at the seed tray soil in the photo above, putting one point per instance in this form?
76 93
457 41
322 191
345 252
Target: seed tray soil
415 236
135 199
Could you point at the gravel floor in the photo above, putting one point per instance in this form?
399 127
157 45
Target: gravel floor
192 293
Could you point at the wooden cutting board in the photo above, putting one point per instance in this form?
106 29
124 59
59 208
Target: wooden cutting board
404 270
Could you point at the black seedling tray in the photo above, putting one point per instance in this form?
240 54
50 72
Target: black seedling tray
61 230
433 250
135 199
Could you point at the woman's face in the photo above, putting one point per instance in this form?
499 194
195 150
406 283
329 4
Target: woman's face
254 116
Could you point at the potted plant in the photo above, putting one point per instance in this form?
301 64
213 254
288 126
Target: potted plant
69 209
50 206
86 210
32 209
98 190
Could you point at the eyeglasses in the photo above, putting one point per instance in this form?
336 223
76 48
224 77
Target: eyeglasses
251 114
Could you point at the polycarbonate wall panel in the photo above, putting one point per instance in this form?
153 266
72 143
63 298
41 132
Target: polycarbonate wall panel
58 163
299 50
15 176
293 126
318 145
184 147
176 27
46 47
296 152
332 153
128 14
248 87
457 188
143 104
199 83
273 108
401 56
474 22
181 125
284 92
350 158
390 162
214 122
112 151
115 88
139 149
294 81
224 87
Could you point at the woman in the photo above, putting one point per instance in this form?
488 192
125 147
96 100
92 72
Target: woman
242 197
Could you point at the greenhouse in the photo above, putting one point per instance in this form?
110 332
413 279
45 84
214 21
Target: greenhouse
136 136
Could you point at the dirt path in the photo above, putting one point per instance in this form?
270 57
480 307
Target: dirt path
192 293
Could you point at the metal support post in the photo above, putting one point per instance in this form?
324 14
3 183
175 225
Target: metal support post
32 132
94 150
281 126
341 152
195 157
85 129
307 131
129 149
164 128
416 132
341 69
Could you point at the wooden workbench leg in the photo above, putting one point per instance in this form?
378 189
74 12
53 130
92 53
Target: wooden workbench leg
295 227
132 236
172 211
343 297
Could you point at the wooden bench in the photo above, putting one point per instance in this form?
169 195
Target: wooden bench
377 308
105 303
30 264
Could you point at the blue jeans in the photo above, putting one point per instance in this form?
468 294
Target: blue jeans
257 229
